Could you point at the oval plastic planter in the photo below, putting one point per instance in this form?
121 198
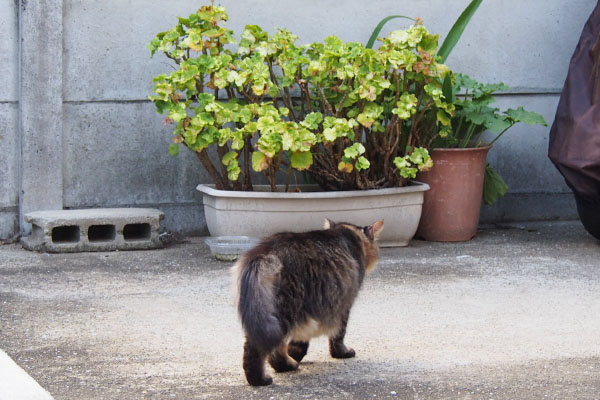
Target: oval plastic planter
451 208
261 213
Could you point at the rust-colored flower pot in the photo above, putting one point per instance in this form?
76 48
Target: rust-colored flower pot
451 207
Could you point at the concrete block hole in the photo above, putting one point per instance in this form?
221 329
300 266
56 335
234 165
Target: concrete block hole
102 233
65 234
137 232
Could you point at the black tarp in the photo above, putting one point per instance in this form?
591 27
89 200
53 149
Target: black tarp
575 134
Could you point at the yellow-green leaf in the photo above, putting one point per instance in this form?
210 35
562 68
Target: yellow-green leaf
443 118
362 163
260 161
301 160
229 157
233 171
345 167
354 151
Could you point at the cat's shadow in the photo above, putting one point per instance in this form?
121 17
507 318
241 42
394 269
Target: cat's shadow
312 368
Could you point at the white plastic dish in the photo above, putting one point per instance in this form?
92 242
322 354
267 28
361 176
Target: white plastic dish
229 248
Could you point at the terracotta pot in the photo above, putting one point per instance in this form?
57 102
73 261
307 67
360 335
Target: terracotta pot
451 207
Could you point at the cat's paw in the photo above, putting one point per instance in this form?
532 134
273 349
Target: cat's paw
282 363
264 380
297 350
341 351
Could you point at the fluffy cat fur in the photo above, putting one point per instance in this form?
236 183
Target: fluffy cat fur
293 287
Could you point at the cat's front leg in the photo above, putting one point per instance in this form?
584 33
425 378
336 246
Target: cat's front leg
297 350
281 361
337 348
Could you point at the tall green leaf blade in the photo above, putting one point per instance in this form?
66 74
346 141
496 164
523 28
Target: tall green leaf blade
379 27
457 30
448 89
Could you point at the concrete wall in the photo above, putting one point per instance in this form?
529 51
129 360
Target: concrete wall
9 148
114 148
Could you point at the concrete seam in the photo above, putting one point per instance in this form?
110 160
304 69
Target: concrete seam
20 5
518 92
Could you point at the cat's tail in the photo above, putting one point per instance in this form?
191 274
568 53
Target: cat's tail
256 278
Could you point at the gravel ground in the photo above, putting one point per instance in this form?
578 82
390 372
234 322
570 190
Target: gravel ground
512 314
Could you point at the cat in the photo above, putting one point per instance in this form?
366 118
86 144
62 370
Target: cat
293 287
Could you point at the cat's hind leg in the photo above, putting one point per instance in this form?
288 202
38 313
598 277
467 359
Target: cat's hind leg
281 361
254 365
297 350
337 348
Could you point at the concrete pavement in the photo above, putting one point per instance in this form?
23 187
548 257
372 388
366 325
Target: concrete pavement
513 313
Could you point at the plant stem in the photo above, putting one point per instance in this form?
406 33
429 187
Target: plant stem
339 107
247 158
287 99
458 128
271 178
284 93
500 134
221 151
248 98
304 89
220 183
467 137
325 102
475 139
399 85
288 173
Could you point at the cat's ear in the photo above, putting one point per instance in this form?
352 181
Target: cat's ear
328 224
374 230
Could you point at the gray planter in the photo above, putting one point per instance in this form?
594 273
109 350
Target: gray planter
262 213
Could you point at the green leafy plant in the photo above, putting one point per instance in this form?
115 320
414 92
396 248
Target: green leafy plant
475 115
349 116
452 37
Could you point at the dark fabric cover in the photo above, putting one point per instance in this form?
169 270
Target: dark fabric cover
575 134
589 213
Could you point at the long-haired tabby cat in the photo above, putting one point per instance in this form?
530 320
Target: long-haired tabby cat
293 287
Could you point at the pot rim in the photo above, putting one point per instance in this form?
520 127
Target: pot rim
463 149
209 189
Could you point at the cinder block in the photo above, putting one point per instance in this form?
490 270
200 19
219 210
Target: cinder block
97 229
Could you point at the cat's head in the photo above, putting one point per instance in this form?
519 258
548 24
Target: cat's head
368 238
372 232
